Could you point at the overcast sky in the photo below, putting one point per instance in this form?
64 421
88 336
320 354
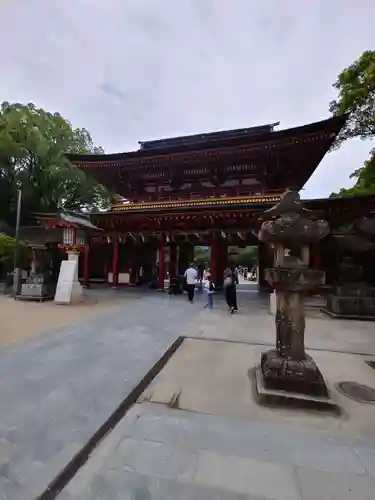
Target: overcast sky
130 70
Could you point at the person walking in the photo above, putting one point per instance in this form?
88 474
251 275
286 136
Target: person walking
210 285
245 273
206 274
191 277
230 290
235 275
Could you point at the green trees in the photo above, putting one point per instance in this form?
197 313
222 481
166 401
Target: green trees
247 257
356 86
32 147
7 250
202 257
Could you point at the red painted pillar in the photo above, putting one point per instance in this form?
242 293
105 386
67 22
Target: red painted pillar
214 259
86 265
183 259
173 260
161 266
133 273
222 261
115 262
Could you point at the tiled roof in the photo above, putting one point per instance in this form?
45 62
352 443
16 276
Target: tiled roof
205 202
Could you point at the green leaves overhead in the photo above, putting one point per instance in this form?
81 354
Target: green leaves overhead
32 147
7 249
356 87
364 180
247 257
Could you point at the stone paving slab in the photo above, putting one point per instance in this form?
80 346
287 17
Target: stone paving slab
319 485
367 458
169 424
125 485
247 476
254 324
58 389
163 451
213 377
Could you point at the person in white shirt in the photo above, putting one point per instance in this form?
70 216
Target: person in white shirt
191 277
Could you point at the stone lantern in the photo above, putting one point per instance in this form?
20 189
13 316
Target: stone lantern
290 230
353 295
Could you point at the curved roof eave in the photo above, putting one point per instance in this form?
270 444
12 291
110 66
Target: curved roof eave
334 123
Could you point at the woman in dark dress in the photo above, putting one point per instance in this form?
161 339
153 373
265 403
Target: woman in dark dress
230 290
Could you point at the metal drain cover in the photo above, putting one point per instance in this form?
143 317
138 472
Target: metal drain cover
371 364
358 392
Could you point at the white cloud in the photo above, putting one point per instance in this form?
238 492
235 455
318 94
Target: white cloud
145 69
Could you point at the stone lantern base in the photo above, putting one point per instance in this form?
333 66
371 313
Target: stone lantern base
286 374
283 394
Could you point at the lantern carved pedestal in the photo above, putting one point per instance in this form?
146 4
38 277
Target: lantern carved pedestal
287 371
353 296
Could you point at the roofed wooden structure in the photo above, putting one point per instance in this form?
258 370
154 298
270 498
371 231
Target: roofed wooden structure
202 189
228 214
236 163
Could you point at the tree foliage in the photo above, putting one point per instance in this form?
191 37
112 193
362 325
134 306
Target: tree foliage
8 247
246 257
32 147
364 179
202 257
356 87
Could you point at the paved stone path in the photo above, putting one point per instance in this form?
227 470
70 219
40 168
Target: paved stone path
58 389
157 453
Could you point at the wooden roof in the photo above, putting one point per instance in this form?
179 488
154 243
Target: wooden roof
235 214
330 125
166 206
274 157
207 139
66 219
338 211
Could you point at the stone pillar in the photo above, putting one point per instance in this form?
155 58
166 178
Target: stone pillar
86 265
74 256
33 262
265 261
161 266
77 293
315 259
115 262
290 326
